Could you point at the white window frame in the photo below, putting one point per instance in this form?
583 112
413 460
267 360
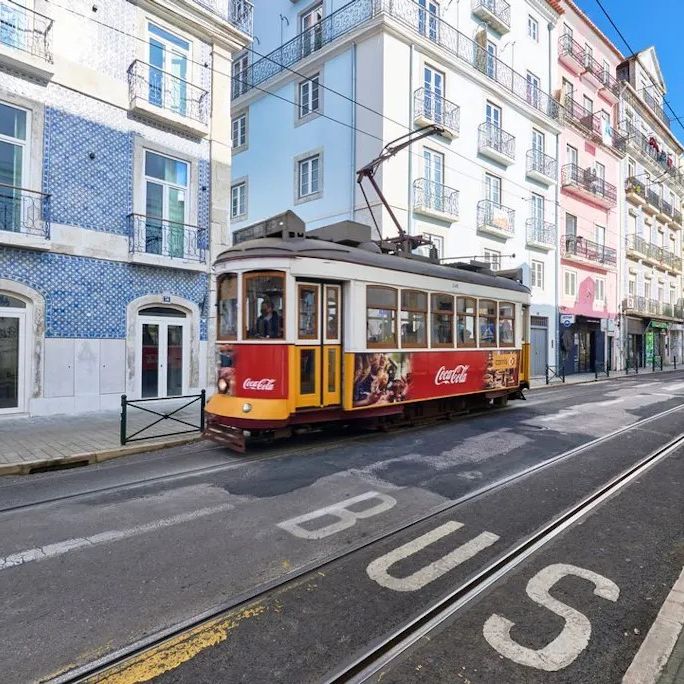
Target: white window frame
241 131
600 290
493 258
532 28
304 165
569 276
239 72
24 144
238 200
537 274
309 97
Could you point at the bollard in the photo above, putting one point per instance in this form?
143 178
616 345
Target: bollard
595 372
203 402
547 373
122 426
563 372
675 363
661 362
653 363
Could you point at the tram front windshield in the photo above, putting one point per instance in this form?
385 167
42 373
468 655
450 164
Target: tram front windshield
264 306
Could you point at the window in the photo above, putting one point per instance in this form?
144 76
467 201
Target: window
493 188
631 287
238 200
589 104
661 293
491 59
239 130
569 283
568 89
493 258
606 69
537 210
599 290
433 84
506 324
600 170
166 206
381 316
428 12
433 169
588 54
437 243
307 327
647 289
264 305
308 173
600 234
533 28
567 31
332 312
413 318
240 75
168 76
571 155
537 274
308 96
538 143
570 226
632 222
533 84
311 30
631 168
466 309
487 321
14 124
228 307
673 295
442 306
493 115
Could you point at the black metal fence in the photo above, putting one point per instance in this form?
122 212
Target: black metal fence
157 415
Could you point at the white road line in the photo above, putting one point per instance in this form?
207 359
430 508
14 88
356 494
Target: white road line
52 550
651 658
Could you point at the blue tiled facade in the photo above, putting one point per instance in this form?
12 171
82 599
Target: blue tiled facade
87 298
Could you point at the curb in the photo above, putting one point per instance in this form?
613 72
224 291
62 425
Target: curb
89 457
593 381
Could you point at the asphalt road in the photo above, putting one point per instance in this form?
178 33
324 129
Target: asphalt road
98 570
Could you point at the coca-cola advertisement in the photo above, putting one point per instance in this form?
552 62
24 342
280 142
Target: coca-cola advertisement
391 377
253 370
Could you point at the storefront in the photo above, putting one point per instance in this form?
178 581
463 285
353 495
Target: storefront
656 342
582 344
635 342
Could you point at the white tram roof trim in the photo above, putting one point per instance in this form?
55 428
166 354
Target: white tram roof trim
321 249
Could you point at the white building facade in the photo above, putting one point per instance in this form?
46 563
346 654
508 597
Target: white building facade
340 81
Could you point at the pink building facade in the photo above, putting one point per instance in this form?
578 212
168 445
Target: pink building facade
590 154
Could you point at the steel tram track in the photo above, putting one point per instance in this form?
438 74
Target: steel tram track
387 650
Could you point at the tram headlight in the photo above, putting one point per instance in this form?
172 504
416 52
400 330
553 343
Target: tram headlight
222 385
246 407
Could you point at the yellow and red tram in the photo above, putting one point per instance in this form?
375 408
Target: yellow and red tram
324 327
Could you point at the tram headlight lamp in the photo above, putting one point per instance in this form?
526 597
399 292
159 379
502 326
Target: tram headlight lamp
222 385
246 407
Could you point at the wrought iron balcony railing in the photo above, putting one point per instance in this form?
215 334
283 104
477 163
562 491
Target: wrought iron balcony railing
596 125
540 232
567 45
651 152
653 253
418 19
491 214
573 111
652 307
490 135
24 211
161 237
431 196
437 109
610 82
168 92
25 30
499 8
587 179
634 186
666 208
657 108
240 13
653 198
576 246
542 163
677 216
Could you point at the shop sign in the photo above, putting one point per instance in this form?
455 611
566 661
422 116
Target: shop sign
659 324
566 320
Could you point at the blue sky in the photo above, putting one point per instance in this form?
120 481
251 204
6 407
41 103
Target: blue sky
658 23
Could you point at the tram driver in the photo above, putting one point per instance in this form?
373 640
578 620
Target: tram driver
268 323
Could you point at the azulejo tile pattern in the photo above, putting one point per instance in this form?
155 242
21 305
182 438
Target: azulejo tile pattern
87 298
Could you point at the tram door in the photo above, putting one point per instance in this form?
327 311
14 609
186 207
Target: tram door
318 365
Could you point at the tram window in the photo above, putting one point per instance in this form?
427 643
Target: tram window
264 305
413 318
466 308
381 316
228 307
308 312
506 324
332 314
442 320
487 320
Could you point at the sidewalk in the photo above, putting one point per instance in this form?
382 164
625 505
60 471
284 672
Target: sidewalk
41 442
578 378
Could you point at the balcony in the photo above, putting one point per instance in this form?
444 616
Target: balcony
571 54
413 17
495 219
540 234
643 306
576 247
585 184
495 143
24 218
652 205
240 13
25 41
635 191
651 153
431 108
655 106
541 167
602 132
593 71
159 242
676 221
575 113
665 211
167 99
610 89
650 253
436 200
495 13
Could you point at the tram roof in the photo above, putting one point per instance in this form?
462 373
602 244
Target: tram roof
321 249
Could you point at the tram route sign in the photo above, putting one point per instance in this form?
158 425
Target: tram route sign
566 320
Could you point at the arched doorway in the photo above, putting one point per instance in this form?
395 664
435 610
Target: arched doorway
164 351
13 315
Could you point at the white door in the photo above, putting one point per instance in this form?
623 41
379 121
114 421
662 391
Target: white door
537 209
169 56
12 358
493 189
434 176
311 30
163 353
427 18
434 92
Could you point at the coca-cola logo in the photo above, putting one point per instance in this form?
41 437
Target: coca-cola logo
452 376
263 385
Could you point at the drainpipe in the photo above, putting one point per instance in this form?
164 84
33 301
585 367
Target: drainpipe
352 133
409 227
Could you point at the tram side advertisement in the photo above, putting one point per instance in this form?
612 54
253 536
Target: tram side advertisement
391 377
